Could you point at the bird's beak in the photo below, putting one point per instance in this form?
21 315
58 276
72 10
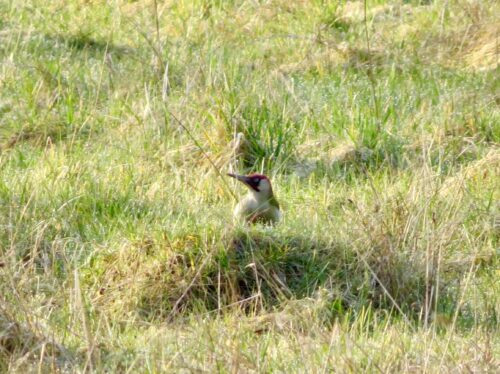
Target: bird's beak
241 178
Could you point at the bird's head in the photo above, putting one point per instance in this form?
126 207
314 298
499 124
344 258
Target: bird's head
257 183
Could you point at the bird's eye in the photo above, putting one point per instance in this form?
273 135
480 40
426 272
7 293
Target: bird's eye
256 180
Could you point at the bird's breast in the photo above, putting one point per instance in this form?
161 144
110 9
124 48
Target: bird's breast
252 210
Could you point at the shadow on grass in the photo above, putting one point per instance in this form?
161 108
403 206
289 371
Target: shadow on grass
263 269
85 42
18 339
260 270
254 272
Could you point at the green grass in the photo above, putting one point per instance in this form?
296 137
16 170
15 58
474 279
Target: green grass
379 131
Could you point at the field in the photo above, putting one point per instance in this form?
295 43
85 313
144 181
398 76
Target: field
377 122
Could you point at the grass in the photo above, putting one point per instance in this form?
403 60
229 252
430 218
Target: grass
377 123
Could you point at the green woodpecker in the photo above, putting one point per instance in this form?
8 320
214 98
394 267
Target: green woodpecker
259 205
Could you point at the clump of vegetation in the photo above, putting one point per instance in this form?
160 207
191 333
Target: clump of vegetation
376 121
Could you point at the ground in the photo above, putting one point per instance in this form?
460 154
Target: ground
377 123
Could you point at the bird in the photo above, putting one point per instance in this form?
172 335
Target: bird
260 204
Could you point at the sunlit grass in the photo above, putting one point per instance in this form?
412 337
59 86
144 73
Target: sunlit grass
379 131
